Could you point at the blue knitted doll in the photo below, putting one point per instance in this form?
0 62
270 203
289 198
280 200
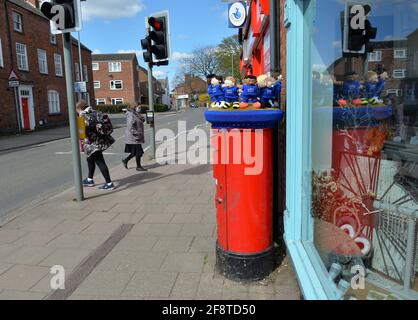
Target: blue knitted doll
250 93
217 94
267 91
231 93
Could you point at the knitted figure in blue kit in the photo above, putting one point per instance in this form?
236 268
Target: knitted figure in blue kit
217 94
267 91
352 88
250 93
278 90
231 93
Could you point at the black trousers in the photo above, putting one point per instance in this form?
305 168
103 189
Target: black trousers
97 159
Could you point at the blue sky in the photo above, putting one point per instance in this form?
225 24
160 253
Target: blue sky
117 26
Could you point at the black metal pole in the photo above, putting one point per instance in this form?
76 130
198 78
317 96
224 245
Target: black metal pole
275 37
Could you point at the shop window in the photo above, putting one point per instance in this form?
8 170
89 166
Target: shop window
364 183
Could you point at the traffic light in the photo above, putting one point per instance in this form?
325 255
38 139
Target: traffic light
157 43
358 30
65 15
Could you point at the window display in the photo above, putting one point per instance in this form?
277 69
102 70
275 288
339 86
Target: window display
365 145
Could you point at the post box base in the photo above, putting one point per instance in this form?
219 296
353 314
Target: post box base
245 268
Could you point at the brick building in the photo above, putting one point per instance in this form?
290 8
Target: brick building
159 91
116 78
189 91
28 48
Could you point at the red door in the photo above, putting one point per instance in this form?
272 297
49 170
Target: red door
25 112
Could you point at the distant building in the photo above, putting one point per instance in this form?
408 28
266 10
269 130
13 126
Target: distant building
158 89
116 78
165 85
189 91
36 56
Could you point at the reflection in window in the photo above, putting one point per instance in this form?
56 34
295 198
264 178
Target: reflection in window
365 152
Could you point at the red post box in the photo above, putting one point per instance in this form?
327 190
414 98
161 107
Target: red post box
243 169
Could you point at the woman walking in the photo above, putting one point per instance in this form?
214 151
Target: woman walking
98 139
134 137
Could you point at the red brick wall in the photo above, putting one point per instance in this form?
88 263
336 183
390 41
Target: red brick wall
36 34
129 76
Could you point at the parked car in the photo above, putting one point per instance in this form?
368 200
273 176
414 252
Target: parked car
193 105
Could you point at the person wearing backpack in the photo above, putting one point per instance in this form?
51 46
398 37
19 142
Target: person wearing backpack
98 139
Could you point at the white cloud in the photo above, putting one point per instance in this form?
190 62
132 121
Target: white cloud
111 9
137 52
159 74
97 51
176 56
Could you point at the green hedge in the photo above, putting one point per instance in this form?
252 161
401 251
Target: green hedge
157 108
112 109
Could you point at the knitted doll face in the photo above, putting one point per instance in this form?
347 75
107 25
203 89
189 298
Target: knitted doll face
270 82
230 82
250 80
215 82
384 76
372 77
261 81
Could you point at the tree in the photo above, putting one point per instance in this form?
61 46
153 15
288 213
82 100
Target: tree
228 55
201 62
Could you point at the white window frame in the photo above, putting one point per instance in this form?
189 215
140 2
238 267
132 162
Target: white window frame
100 101
77 71
375 56
58 65
399 70
398 92
97 84
397 51
1 55
86 73
22 57
112 66
54 102
113 85
95 66
17 22
115 99
42 61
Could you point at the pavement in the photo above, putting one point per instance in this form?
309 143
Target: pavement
153 237
34 172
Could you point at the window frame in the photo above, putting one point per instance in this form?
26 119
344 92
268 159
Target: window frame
44 62
113 88
116 104
95 64
399 70
112 69
85 73
97 82
61 73
20 23
404 50
1 54
54 102
379 53
77 72
19 55
98 100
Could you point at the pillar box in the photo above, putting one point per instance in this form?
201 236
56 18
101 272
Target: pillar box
244 191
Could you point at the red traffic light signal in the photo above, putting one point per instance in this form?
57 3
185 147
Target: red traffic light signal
157 24
156 43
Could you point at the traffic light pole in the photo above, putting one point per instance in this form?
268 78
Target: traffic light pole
72 114
151 108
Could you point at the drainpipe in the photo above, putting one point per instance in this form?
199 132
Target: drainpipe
275 37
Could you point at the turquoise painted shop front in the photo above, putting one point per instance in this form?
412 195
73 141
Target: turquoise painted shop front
352 175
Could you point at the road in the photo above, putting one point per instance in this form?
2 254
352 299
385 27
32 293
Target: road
44 170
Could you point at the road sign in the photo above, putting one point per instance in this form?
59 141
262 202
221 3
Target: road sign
13 76
14 83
